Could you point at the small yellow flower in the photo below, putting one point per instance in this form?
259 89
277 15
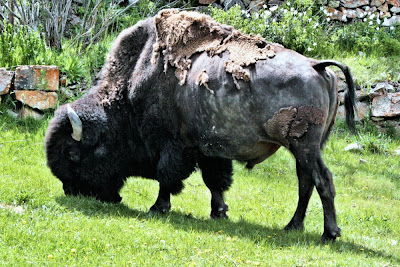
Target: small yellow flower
23 222
94 239
107 245
73 251
50 256
131 226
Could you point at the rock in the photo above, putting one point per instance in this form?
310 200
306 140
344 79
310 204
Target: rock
362 94
36 77
378 90
395 10
353 147
230 3
354 3
391 21
12 114
377 2
393 2
27 112
256 5
386 105
360 13
384 8
206 2
363 110
37 99
6 81
334 4
349 13
335 14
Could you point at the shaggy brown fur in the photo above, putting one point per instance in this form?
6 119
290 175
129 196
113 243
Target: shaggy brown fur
182 34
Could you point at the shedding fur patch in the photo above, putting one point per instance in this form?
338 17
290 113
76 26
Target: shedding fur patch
182 34
203 79
291 122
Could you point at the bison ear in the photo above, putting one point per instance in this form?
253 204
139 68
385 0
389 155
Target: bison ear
76 124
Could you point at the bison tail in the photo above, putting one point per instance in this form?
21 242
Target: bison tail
349 97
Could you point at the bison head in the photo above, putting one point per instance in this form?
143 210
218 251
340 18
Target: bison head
81 153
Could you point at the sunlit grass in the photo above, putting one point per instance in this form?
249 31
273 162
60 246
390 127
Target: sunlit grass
40 226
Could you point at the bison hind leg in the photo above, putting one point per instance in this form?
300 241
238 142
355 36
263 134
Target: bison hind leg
311 171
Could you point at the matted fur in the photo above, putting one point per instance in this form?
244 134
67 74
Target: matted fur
182 34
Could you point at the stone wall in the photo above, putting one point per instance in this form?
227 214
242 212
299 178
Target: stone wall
34 87
380 104
387 11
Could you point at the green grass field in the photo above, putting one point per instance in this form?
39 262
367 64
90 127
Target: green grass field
40 226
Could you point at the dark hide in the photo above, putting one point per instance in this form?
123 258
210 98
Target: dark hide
139 121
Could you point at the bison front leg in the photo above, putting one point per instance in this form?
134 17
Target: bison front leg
217 175
172 168
163 203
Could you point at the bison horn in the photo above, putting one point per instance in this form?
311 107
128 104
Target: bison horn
76 124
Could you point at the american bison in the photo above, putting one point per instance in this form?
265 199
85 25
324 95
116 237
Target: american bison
180 90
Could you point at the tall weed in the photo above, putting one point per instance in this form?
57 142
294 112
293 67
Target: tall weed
21 46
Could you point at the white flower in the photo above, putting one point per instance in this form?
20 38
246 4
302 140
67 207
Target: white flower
314 44
256 15
291 9
377 28
267 14
344 18
274 8
248 15
285 11
365 19
309 48
392 28
316 25
288 3
371 22
265 6
309 20
372 16
378 21
328 19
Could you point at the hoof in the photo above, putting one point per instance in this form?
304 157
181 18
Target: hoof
220 213
331 236
294 227
159 210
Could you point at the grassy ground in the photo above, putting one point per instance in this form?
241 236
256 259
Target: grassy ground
40 226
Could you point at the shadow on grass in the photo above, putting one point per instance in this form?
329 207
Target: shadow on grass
257 233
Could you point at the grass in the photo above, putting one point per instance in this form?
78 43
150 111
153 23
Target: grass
40 226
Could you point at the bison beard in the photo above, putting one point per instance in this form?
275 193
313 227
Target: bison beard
160 117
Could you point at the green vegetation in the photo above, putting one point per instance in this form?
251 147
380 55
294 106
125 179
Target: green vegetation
40 226
370 49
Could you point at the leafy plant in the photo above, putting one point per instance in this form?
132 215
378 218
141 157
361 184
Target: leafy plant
22 46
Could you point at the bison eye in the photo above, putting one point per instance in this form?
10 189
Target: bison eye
74 155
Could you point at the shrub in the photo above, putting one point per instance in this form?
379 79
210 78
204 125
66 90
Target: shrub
21 46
